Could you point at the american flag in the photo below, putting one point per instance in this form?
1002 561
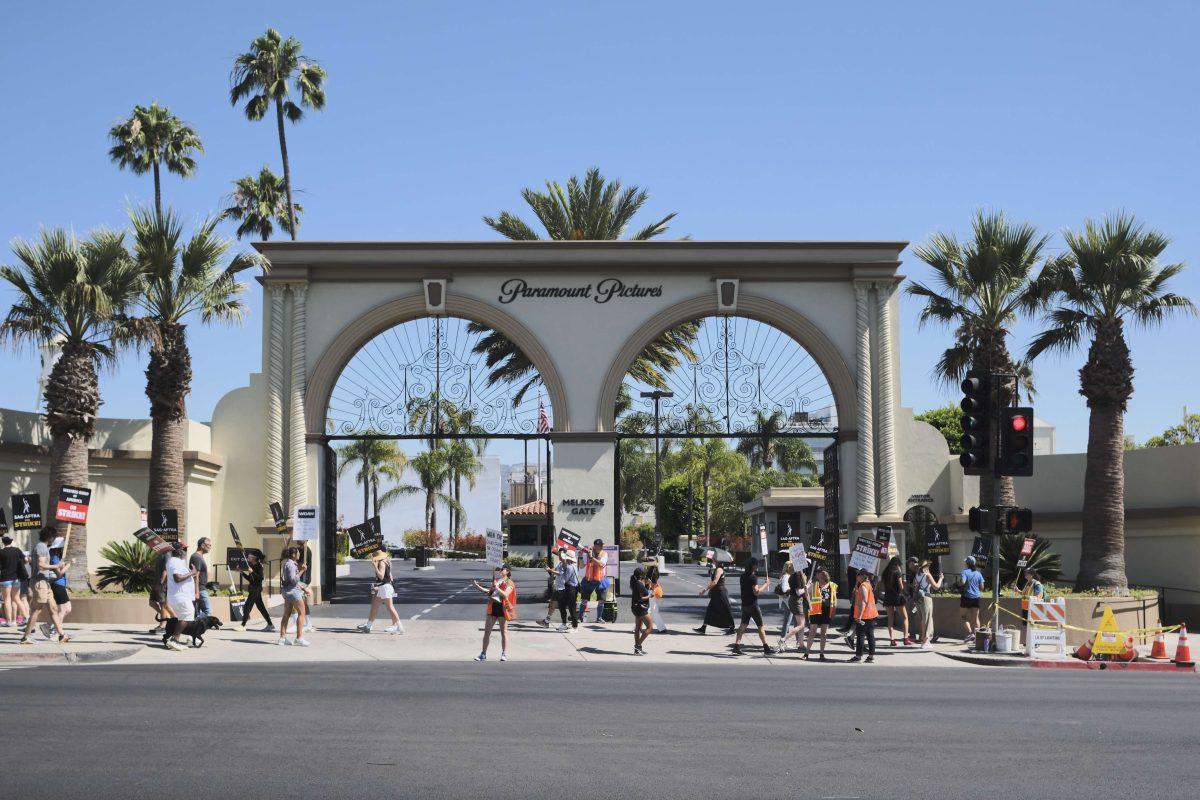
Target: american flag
543 420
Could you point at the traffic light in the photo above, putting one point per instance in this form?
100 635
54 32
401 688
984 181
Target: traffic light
1018 520
976 457
981 520
1016 442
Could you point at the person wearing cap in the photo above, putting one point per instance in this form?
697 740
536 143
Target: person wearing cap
923 587
566 585
253 573
970 586
181 592
42 595
596 573
58 587
197 562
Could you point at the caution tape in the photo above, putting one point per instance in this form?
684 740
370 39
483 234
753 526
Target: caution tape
1136 633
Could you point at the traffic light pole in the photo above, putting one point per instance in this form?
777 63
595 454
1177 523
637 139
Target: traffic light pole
995 565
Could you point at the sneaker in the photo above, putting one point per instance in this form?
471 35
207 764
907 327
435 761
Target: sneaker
176 646
394 629
737 649
637 651
908 642
47 630
302 642
64 638
893 642
699 630
767 650
363 628
804 657
504 656
26 640
481 657
969 638
563 628
850 642
269 629
855 659
241 628
870 659
284 642
309 627
156 631
545 623
730 631
927 646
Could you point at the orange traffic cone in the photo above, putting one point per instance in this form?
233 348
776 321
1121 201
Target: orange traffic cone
1159 649
1183 652
1084 653
1130 652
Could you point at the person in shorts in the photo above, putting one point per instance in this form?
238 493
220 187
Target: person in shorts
639 596
751 589
501 609
822 604
970 586
42 596
293 597
12 569
158 593
382 594
58 587
181 592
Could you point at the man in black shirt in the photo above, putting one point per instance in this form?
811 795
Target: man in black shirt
197 562
11 562
751 589
639 593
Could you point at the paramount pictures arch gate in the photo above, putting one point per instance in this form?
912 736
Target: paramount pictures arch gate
580 312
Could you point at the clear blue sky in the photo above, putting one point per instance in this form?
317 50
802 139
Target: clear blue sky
753 121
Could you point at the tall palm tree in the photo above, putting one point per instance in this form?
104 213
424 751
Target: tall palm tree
433 470
462 457
183 278
1110 275
705 458
376 459
73 295
152 137
980 287
268 75
591 209
258 204
769 449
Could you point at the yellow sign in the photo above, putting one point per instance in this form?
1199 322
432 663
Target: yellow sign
1108 638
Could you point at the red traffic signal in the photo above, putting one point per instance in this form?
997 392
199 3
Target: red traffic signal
1016 442
1019 423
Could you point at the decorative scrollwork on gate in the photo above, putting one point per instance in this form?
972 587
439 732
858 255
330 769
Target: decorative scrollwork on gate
396 380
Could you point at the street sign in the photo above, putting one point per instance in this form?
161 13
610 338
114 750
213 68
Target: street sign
72 504
164 522
304 524
937 540
27 512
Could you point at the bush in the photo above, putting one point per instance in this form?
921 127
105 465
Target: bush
420 538
343 546
631 539
472 542
626 555
519 560
132 566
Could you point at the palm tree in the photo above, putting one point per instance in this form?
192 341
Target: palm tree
462 457
592 209
981 285
182 278
259 204
769 449
153 137
376 459
1109 275
705 458
72 295
433 470
267 75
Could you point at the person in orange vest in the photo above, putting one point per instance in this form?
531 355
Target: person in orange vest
501 607
863 611
594 577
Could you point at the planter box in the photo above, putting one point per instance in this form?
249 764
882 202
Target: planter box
135 610
1082 612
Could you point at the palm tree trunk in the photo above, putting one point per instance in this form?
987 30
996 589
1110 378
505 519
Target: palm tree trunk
457 527
375 494
706 510
168 379
366 475
69 467
430 511
287 168
157 194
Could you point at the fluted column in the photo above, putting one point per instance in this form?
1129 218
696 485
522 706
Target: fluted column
275 389
298 484
865 462
885 403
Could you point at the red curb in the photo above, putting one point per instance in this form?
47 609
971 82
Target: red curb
1132 666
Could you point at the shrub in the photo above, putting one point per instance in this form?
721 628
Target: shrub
421 538
343 547
631 539
626 555
471 542
519 560
132 566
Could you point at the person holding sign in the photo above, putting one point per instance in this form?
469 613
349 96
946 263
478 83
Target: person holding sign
821 607
796 602
181 595
863 611
924 585
501 607
43 596
751 589
1033 589
566 585
293 597
594 577
970 585
253 573
894 590
382 593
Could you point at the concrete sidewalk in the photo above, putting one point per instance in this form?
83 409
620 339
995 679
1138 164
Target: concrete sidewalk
432 640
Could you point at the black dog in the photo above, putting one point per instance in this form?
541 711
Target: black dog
195 629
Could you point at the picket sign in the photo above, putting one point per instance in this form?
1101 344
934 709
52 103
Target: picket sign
1041 641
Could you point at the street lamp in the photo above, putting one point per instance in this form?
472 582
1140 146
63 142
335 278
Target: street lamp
656 396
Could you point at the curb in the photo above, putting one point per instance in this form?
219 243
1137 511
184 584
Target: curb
68 657
1131 666
986 660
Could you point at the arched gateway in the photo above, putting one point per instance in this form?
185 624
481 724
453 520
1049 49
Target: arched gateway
580 312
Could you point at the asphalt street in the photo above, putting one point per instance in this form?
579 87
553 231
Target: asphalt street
445 592
522 730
